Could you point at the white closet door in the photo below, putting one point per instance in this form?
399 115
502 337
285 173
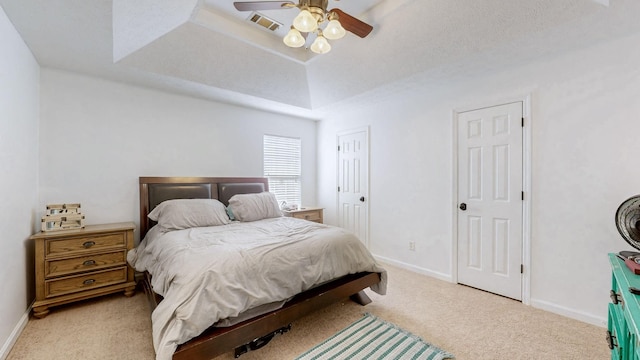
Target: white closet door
490 199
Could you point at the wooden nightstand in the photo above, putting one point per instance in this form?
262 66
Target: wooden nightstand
74 265
306 213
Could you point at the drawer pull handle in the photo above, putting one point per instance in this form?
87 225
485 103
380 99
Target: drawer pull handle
88 244
306 217
88 282
610 342
89 263
615 297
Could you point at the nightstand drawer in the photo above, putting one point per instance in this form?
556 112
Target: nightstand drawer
85 282
308 215
81 244
56 268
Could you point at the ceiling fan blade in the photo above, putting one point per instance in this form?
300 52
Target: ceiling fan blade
352 24
263 5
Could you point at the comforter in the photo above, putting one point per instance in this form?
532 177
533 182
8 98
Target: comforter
207 274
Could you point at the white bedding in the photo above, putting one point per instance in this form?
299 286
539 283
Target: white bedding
207 274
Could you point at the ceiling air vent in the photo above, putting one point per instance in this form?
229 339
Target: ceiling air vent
264 21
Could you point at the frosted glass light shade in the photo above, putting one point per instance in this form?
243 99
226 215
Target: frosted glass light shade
294 38
305 22
320 45
334 30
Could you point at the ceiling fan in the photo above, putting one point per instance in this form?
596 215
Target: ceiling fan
313 14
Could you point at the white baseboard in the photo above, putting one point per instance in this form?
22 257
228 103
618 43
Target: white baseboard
539 304
15 334
570 313
416 269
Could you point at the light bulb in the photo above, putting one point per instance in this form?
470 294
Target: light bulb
334 30
305 22
320 45
294 38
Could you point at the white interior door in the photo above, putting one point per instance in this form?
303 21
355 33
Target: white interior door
353 183
490 199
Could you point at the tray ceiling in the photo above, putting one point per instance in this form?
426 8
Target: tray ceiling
205 48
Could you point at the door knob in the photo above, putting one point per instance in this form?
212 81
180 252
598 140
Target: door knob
362 198
463 206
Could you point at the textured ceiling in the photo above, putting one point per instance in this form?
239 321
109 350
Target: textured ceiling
205 48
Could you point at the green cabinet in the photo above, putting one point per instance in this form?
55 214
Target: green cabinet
624 312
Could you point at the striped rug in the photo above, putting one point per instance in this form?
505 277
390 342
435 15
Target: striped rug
372 338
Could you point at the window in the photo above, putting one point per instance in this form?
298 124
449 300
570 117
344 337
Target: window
282 158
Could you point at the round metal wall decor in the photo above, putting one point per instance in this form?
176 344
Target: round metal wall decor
628 221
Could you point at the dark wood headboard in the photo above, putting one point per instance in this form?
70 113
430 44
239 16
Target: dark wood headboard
154 190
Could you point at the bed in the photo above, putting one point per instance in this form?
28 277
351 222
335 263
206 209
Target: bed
253 328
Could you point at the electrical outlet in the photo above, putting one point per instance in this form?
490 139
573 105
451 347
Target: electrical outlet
412 245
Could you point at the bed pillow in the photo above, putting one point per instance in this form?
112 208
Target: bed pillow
188 213
252 207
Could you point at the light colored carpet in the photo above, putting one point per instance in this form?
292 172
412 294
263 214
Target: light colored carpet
471 324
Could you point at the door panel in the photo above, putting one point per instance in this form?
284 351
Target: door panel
353 175
490 184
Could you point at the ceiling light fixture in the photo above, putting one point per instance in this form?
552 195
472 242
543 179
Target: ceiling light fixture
320 44
334 29
294 38
305 22
313 18
313 14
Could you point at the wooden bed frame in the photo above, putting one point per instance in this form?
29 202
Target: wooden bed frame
255 332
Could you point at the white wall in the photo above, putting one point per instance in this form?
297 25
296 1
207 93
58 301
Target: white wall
19 99
97 137
585 139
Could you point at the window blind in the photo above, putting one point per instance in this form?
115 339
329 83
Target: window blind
282 166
